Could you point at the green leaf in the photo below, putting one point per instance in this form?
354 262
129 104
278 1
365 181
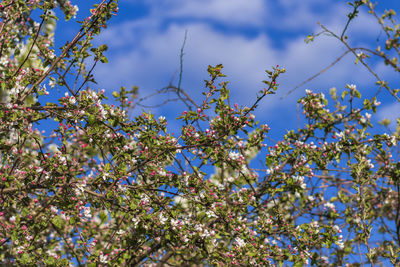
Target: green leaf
51 104
103 59
269 161
57 221
50 261
107 167
344 94
91 119
25 259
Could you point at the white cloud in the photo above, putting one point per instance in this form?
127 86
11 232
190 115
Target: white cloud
229 12
391 112
387 73
232 12
303 15
145 52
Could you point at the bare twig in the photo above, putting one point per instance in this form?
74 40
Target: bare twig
30 50
353 50
317 74
181 61
3 25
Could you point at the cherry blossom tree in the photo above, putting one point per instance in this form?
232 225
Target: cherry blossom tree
102 188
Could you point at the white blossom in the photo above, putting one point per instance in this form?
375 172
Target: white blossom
340 242
103 258
53 209
120 232
234 155
87 212
239 242
329 205
135 222
337 229
352 87
163 219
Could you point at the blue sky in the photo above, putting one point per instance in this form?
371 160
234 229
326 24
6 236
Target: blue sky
248 37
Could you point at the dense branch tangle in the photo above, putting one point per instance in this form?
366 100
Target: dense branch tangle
105 189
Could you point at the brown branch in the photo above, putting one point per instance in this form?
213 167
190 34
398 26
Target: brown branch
3 25
3 107
317 74
82 32
165 259
30 50
362 61
77 37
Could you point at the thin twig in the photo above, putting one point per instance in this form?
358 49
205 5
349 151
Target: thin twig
317 74
30 50
351 16
362 62
3 25
181 61
87 76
